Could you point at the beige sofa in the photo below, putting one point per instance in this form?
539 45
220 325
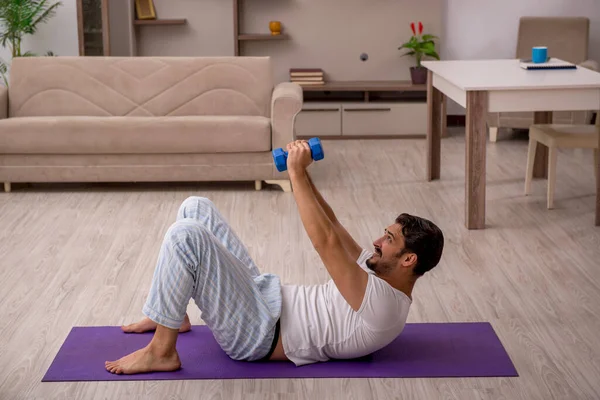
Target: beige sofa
567 38
112 119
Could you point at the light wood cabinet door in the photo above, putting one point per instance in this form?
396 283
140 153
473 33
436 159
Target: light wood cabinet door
319 119
384 119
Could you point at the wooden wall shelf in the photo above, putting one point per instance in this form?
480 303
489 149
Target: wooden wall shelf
262 36
239 38
179 21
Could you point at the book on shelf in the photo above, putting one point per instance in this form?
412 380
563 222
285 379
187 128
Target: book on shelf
310 83
304 72
307 76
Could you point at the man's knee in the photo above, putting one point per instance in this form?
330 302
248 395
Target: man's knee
186 231
183 247
194 203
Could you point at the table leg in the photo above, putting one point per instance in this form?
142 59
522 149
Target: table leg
443 116
476 136
598 180
434 129
540 166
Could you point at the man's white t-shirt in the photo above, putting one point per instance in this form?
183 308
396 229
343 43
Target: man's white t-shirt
318 324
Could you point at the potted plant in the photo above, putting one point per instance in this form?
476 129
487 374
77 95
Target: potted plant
19 18
419 46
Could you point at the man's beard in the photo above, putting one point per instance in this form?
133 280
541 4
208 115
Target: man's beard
380 266
370 263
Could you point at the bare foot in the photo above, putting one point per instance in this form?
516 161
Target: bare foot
144 360
147 325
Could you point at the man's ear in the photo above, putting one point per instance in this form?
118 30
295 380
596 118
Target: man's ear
410 260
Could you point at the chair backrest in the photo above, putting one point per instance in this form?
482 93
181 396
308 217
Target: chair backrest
140 86
567 38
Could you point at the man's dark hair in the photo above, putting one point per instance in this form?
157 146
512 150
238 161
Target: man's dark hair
423 238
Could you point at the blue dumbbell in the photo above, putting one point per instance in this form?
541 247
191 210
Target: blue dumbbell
280 156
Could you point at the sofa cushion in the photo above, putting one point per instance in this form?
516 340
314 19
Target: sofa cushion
135 135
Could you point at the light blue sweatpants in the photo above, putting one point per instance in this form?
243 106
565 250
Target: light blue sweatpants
202 258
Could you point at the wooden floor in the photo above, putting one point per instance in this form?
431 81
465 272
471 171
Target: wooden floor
84 255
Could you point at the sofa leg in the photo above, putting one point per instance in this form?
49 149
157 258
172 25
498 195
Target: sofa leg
258 185
284 184
7 187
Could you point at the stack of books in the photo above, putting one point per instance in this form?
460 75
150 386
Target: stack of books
307 76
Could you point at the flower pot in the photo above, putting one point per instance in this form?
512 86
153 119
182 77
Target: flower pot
275 27
418 75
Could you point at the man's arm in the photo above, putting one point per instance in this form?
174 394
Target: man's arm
350 279
349 243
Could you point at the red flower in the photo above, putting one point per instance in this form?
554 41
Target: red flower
412 26
420 27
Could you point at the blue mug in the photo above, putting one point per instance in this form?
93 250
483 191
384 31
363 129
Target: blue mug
539 54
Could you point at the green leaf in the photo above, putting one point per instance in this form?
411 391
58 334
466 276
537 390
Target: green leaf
428 46
42 15
429 37
408 45
433 54
4 71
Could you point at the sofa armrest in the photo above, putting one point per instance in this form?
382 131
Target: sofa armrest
285 105
589 64
3 102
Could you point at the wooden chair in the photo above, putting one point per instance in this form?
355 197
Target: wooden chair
556 136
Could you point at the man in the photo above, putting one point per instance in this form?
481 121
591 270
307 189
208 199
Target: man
252 316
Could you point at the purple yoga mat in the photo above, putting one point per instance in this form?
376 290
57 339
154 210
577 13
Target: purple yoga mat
422 350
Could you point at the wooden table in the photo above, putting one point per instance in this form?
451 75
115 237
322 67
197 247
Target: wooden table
483 86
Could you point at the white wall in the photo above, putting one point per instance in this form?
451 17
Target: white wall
472 28
488 29
208 32
323 35
59 34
